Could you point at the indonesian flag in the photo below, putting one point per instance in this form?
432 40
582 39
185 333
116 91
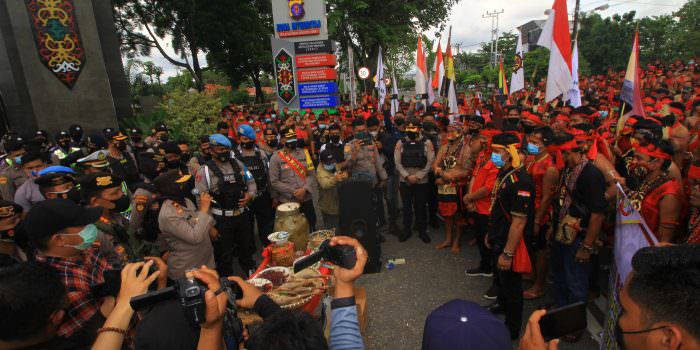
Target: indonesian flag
449 68
421 70
517 79
631 89
556 37
450 76
439 70
502 82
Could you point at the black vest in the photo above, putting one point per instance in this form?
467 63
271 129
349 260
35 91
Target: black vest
231 186
337 150
257 166
413 154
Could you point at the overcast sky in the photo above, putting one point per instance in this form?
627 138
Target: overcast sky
470 29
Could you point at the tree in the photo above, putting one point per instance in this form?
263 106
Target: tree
143 78
687 30
606 43
142 24
191 114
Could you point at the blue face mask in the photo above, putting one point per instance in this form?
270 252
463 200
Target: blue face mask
329 167
322 126
497 160
89 235
533 149
18 160
604 114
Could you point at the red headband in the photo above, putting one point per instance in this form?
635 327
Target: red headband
653 152
569 145
694 172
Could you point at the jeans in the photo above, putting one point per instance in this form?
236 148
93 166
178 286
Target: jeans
570 277
510 294
414 198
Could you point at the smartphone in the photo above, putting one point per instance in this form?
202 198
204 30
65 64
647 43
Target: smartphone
559 322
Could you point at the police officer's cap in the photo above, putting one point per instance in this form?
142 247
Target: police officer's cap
161 127
54 179
97 159
14 144
247 131
413 125
135 131
170 177
62 135
41 133
94 182
289 133
9 209
75 128
97 141
157 157
114 135
505 139
57 169
219 140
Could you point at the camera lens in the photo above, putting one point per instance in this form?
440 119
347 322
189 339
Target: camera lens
192 292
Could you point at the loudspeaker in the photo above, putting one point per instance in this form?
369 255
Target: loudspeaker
358 219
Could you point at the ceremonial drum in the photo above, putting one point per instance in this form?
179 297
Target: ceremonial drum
290 219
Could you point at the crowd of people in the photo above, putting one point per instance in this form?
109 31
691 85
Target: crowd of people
522 176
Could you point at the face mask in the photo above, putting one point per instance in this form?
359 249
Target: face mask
329 167
73 195
533 149
121 204
528 129
473 131
223 156
497 160
360 135
121 146
89 235
335 138
412 135
64 144
273 143
164 138
604 114
173 164
322 126
374 133
248 145
512 121
18 160
185 157
7 235
428 126
292 144
136 139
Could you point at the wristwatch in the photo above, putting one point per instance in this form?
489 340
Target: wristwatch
587 248
508 254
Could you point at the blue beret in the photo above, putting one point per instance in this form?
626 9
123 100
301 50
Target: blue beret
247 131
57 169
219 140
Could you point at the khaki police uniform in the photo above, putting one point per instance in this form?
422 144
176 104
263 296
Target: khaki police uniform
286 177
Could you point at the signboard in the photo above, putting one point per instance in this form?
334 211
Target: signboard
305 28
319 102
322 60
329 88
317 74
299 20
363 73
284 72
313 46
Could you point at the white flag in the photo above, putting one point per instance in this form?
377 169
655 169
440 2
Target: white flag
452 100
517 79
380 85
574 92
351 69
556 37
394 95
431 92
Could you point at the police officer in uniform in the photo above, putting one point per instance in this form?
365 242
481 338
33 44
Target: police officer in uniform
121 161
28 194
58 182
11 174
233 188
257 162
136 137
94 163
334 144
144 203
63 149
293 176
202 157
362 159
413 158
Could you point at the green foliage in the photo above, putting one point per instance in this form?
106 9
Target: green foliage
191 114
183 81
143 121
535 64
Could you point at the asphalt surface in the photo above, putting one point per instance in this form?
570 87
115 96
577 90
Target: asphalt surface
399 300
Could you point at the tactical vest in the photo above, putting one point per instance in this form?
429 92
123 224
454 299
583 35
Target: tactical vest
258 166
336 150
231 186
413 154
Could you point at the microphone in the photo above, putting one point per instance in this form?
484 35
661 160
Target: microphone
196 192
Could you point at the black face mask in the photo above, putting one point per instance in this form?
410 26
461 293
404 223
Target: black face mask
7 235
248 145
164 138
121 146
73 195
173 164
511 121
223 156
334 138
121 204
273 143
64 144
428 126
185 157
473 131
291 144
136 139
412 135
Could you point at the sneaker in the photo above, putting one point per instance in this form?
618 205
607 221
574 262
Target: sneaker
478 271
491 294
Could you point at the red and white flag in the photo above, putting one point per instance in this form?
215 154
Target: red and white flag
631 88
556 37
438 70
421 70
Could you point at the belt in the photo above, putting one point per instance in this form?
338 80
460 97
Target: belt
226 212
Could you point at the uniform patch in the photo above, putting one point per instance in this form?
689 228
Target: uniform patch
140 207
524 194
141 199
3 180
285 166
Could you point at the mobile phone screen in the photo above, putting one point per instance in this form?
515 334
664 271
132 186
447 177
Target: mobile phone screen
563 321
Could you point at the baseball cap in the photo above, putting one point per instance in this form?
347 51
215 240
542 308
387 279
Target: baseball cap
461 324
48 217
327 156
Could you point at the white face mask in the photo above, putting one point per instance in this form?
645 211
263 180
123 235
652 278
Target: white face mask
374 133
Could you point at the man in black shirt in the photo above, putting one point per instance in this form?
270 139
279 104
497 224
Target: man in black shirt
578 219
511 219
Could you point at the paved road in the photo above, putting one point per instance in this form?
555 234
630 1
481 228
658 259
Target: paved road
399 300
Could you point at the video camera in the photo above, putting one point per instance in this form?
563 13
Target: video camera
340 255
190 294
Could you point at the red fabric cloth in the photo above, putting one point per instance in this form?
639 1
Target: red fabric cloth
650 204
538 170
484 176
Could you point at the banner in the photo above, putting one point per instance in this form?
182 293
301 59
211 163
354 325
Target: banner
631 235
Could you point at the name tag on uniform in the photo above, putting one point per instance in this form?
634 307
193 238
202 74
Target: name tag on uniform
230 178
285 166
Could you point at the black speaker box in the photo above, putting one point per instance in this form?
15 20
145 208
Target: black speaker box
358 219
